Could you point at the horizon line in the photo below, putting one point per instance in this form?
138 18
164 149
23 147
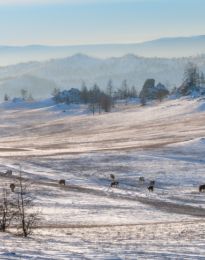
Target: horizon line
162 38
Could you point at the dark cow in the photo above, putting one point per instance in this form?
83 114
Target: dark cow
150 188
152 183
141 179
114 184
61 182
112 176
12 186
201 187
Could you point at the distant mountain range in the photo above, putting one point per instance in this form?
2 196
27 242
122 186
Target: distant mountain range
162 48
40 78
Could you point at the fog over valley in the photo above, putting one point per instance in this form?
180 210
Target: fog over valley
40 78
163 48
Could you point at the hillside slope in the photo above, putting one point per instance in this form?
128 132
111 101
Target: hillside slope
86 218
41 78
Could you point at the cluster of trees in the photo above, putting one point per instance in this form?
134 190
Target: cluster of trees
58 98
122 92
97 98
17 208
94 96
192 73
24 95
106 99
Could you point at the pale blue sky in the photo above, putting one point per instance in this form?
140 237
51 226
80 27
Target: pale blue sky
69 22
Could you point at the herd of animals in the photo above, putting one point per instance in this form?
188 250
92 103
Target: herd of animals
141 180
114 183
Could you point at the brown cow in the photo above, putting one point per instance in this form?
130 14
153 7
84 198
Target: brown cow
114 184
150 188
61 182
201 187
12 186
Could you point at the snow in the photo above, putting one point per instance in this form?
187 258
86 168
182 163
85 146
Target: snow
86 218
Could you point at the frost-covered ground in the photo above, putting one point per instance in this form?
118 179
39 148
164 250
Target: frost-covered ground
87 219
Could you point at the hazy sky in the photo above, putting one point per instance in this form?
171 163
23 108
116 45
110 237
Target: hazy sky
78 22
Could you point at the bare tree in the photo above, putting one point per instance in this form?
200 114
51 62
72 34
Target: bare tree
24 94
7 210
96 93
202 79
30 97
91 107
84 93
91 100
25 202
94 98
110 88
56 96
67 100
133 92
125 90
143 100
106 103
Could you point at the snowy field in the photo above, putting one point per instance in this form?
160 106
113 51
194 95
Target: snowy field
87 219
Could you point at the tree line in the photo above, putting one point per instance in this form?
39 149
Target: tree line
192 73
105 99
95 97
24 96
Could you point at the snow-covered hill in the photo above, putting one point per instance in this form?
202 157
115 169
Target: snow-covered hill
41 78
86 218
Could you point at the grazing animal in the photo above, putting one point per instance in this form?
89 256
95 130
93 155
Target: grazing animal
114 184
12 186
152 183
112 176
61 182
141 179
201 187
150 188
8 173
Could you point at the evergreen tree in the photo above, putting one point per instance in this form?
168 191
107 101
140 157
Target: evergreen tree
6 97
133 93
56 96
191 72
84 93
202 79
106 103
